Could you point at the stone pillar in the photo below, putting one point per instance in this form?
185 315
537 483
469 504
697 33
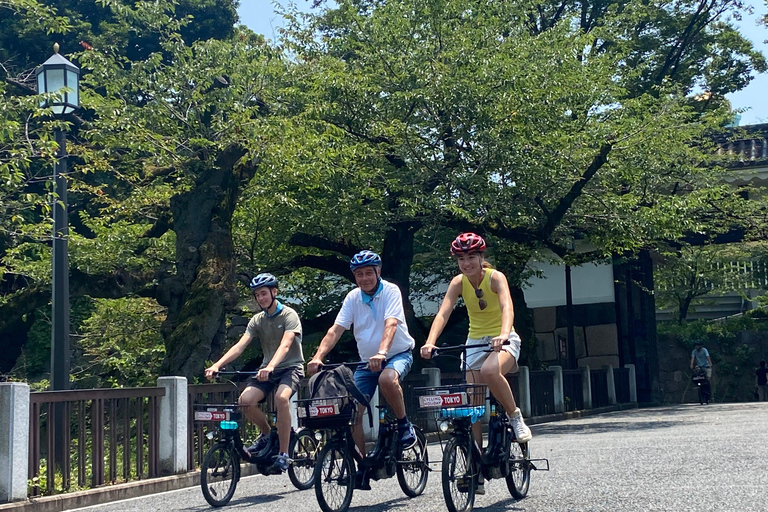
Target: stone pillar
173 425
611 381
632 383
586 387
14 441
558 394
524 383
433 376
295 411
372 432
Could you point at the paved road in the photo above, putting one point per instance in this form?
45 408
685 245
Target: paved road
676 458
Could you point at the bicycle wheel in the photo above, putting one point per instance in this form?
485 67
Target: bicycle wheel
303 453
413 469
519 472
701 395
334 478
219 474
459 482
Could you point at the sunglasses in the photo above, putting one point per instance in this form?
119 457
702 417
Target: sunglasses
481 302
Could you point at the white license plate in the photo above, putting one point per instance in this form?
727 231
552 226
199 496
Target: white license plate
211 415
444 400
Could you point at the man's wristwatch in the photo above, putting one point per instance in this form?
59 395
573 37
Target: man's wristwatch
382 353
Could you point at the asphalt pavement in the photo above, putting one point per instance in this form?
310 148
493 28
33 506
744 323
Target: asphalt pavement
672 458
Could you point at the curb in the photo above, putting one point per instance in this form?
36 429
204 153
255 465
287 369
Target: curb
101 495
91 497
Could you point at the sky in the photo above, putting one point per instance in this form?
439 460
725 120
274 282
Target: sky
259 16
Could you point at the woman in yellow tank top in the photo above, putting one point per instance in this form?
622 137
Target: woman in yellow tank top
491 315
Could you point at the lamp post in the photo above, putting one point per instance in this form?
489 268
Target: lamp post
58 75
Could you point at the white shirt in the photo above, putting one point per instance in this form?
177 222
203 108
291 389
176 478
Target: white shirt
369 319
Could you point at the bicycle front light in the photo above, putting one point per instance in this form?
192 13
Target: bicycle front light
444 426
228 425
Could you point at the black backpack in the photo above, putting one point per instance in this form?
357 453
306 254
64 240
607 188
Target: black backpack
335 382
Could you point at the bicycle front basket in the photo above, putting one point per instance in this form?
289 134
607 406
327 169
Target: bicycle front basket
322 413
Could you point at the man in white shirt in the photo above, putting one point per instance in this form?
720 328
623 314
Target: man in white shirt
375 308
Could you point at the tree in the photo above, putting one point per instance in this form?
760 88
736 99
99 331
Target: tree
690 272
533 129
159 159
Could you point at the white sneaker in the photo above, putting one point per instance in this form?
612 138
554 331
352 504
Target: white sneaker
522 432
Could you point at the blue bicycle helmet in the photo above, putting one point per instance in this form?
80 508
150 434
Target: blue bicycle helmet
263 280
364 259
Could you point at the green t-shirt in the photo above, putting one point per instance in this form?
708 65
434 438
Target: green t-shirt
270 330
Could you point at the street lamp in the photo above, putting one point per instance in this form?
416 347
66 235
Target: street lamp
58 75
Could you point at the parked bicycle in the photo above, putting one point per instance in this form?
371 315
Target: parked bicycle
220 469
700 380
339 463
454 408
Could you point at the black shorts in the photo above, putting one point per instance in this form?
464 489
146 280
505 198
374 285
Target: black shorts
290 377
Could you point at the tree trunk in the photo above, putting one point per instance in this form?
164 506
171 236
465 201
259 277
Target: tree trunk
204 287
397 258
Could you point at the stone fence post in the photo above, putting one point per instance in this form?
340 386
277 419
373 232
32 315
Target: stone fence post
632 383
524 383
433 376
611 381
14 441
558 395
586 387
173 425
372 432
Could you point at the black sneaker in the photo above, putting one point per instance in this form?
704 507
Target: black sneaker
407 436
260 444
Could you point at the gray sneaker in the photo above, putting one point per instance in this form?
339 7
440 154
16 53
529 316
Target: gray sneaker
282 462
480 489
522 432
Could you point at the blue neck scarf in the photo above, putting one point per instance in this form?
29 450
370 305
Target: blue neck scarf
368 299
278 309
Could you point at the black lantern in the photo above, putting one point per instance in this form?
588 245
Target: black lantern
57 74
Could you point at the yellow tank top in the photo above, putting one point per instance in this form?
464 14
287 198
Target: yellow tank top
485 322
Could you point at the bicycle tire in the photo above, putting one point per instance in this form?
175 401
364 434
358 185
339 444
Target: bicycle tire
334 478
413 467
459 480
219 474
519 470
303 453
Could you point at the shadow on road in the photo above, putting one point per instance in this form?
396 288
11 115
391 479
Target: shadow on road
597 428
245 502
383 507
507 504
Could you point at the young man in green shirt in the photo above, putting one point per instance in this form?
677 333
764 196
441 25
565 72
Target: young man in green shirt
278 328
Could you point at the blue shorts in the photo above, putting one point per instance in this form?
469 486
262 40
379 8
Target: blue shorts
366 381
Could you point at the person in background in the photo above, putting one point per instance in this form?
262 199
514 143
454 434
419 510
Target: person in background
761 381
700 357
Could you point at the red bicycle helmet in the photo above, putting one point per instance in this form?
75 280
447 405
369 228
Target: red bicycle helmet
467 243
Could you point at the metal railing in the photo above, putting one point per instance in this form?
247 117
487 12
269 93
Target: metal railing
107 426
621 381
573 390
542 392
599 381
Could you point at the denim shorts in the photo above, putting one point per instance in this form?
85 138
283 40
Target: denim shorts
366 380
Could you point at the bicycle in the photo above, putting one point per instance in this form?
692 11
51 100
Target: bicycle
459 406
700 379
338 461
220 469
